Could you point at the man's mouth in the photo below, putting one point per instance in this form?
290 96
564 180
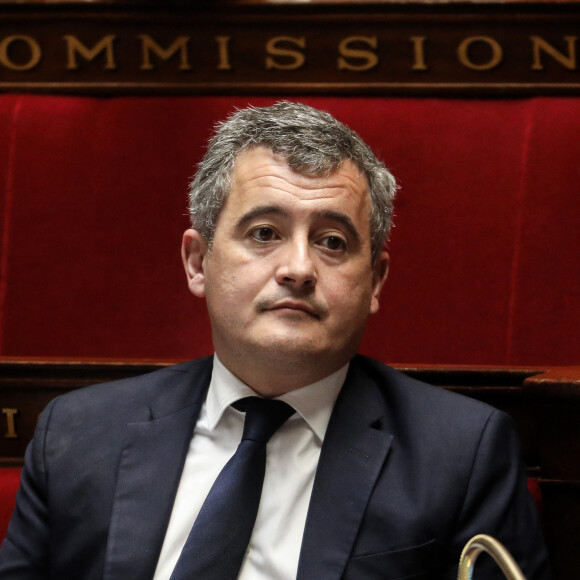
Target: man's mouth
295 305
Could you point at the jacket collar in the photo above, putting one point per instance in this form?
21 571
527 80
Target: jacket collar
352 457
353 453
150 469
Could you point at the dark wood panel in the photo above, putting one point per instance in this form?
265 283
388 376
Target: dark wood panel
282 48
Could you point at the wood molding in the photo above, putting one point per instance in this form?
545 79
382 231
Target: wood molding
283 48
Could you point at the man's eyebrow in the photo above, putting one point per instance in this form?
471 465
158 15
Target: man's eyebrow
344 220
260 211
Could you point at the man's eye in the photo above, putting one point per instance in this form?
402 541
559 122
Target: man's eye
334 243
263 234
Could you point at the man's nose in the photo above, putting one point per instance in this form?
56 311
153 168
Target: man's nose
297 267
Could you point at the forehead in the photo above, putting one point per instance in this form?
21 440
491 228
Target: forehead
258 173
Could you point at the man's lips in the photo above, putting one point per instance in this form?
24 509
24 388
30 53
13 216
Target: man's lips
294 305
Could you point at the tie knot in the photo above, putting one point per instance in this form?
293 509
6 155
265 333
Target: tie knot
263 417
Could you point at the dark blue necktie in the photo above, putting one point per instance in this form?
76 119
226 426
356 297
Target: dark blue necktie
219 538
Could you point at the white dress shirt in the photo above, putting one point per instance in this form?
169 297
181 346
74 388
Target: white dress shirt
292 457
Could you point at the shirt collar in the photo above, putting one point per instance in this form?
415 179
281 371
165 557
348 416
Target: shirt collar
313 402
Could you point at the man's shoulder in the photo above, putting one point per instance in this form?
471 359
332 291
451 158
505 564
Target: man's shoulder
405 396
429 423
136 393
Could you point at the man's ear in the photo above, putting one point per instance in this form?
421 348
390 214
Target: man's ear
193 253
380 272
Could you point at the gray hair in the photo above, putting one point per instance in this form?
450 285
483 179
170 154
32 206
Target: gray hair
312 142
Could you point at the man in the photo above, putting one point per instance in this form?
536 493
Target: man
374 475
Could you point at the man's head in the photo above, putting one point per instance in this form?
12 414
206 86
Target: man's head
287 246
312 142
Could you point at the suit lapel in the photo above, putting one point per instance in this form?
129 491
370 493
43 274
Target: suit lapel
353 454
150 469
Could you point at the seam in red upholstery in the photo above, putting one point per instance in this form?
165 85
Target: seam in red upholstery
8 213
519 203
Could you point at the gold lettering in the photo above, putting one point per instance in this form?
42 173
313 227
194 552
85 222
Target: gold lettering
418 52
273 49
148 45
346 51
75 46
33 47
10 423
496 53
223 52
539 44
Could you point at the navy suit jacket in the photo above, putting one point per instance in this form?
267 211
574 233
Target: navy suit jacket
408 473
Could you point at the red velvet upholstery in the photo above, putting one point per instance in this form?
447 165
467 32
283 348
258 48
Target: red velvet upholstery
536 492
484 252
9 482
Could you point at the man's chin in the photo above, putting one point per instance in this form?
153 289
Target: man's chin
290 346
288 343
292 349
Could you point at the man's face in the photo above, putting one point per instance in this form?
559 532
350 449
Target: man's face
288 280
